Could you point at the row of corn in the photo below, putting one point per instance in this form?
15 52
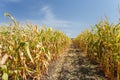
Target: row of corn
102 44
26 52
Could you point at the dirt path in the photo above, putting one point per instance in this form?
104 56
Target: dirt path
74 65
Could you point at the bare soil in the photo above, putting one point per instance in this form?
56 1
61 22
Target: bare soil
74 65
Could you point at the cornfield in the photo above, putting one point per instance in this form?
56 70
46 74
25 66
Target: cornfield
102 44
26 51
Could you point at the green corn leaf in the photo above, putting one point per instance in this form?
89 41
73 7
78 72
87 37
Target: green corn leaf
5 76
4 68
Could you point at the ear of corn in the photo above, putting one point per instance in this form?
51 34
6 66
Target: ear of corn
102 44
25 52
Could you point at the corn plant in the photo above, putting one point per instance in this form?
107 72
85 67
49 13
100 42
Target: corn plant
26 51
103 46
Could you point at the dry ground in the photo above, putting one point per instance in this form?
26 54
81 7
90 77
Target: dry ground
74 65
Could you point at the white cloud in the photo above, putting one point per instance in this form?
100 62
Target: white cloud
49 16
51 20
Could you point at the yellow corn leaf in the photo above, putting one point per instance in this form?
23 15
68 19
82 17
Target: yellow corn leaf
4 59
28 52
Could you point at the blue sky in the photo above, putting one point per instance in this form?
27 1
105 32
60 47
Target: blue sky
69 16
